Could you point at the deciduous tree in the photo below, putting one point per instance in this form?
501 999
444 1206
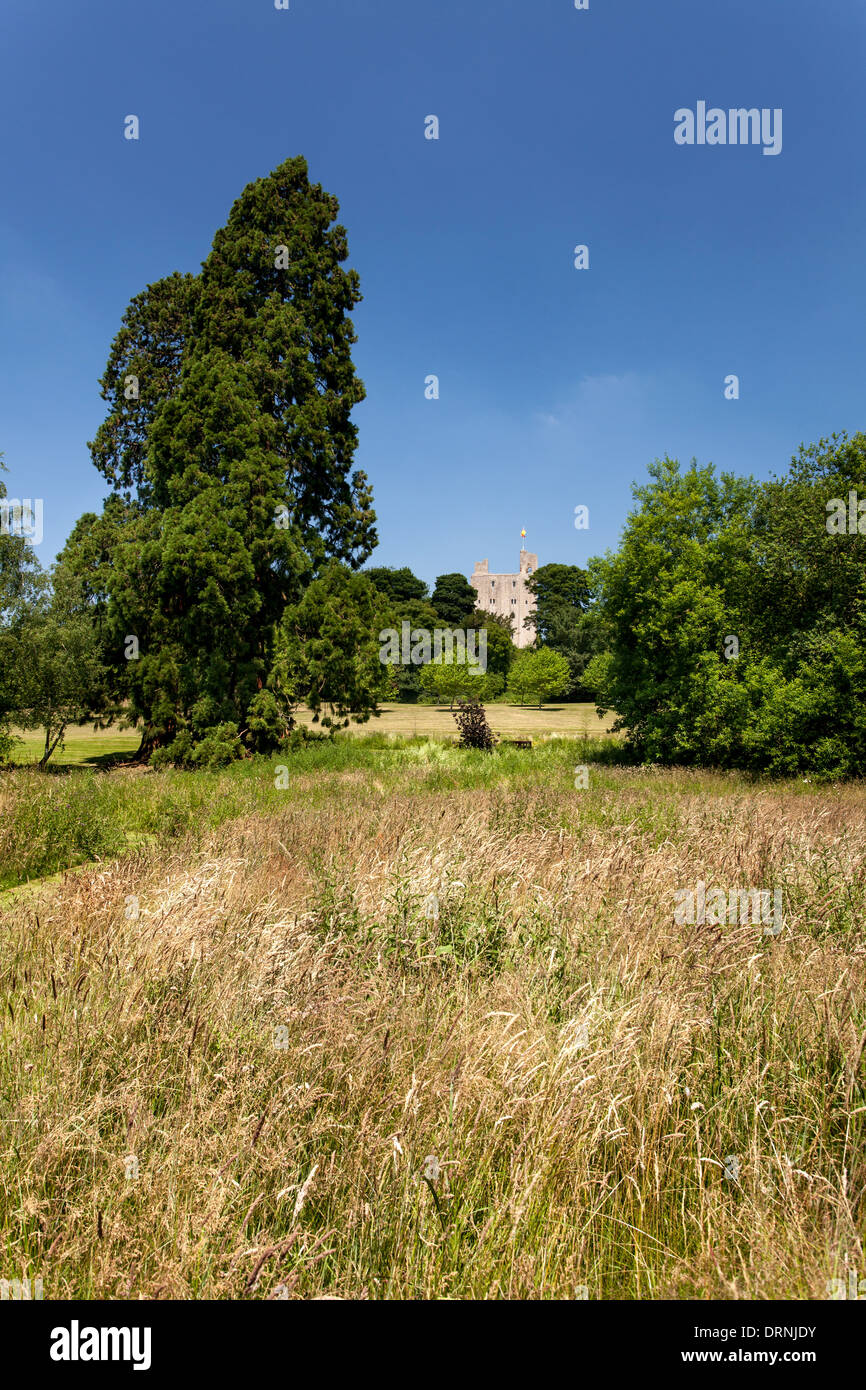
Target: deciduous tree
536 675
454 599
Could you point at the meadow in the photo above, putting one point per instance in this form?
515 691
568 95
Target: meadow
423 1025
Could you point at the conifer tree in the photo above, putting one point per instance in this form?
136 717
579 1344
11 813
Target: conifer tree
235 456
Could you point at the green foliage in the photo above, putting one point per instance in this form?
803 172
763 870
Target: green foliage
83 575
328 648
51 674
707 559
178 753
21 576
566 620
269 720
536 675
454 600
301 738
664 596
401 586
598 676
219 747
450 675
143 371
556 587
22 585
501 650
406 680
579 636
504 621
56 674
234 461
420 615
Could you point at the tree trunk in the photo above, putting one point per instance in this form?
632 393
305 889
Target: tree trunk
49 746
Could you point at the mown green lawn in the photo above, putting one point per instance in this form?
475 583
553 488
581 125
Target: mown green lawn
87 747
82 747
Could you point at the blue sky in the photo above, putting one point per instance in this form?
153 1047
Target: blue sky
558 386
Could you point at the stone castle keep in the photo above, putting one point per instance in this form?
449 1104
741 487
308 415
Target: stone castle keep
507 594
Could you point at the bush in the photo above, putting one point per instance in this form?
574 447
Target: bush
219 747
175 754
269 722
302 737
475 732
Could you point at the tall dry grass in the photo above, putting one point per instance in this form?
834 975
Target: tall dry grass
284 1036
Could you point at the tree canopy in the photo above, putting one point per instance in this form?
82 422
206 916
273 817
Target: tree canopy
738 621
328 648
536 675
399 585
556 587
229 446
454 599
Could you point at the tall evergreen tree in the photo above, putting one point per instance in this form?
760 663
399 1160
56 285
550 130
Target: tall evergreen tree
143 371
236 455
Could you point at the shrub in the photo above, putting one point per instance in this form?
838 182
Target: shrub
219 747
175 754
475 732
302 737
269 722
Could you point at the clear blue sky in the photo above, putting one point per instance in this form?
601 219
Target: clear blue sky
558 386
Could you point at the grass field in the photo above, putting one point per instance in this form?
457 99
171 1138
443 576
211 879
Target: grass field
81 747
569 721
89 747
423 1025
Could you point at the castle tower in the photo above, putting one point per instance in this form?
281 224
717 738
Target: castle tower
507 595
